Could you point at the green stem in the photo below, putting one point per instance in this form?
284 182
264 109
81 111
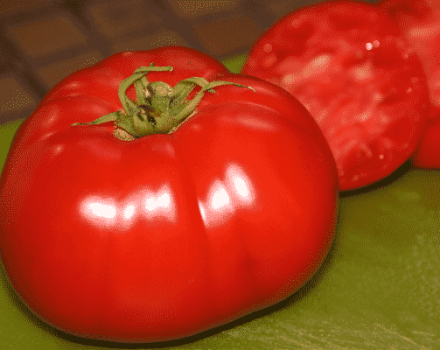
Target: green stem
138 74
159 108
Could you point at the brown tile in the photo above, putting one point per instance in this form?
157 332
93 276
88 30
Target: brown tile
4 60
282 7
114 19
47 35
16 98
12 7
55 72
192 9
224 36
150 42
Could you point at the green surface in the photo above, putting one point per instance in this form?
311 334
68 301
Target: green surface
378 289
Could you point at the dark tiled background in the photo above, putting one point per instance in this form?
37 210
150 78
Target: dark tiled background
43 41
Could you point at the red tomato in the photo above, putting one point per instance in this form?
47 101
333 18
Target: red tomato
173 233
349 65
427 154
419 21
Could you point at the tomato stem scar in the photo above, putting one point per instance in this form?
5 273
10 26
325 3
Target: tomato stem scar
159 108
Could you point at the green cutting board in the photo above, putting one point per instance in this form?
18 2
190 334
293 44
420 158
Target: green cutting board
379 288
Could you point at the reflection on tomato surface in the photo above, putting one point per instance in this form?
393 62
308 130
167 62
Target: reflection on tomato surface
224 196
107 212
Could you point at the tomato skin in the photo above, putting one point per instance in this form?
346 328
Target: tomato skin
360 80
171 234
419 21
427 155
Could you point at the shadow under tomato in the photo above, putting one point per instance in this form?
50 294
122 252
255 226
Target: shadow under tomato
404 168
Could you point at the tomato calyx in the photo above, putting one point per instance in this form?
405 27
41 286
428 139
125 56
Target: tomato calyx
159 108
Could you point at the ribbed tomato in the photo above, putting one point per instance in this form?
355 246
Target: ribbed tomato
155 195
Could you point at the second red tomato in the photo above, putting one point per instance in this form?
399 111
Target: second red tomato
347 62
